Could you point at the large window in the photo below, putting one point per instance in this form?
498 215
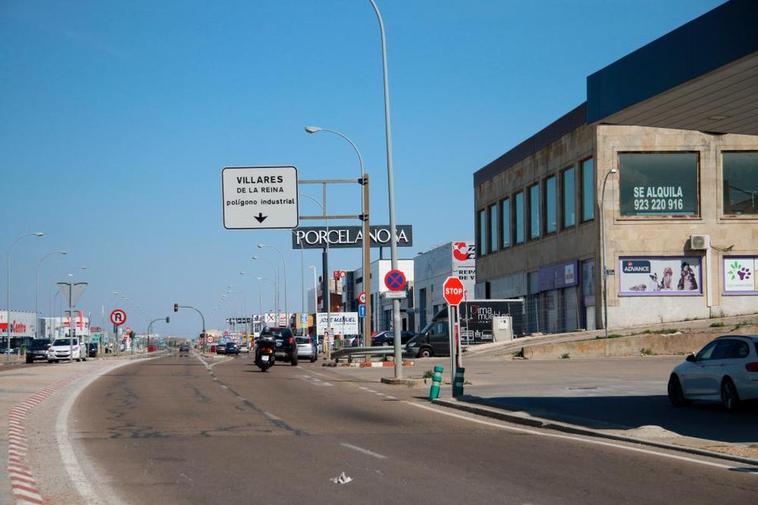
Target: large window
534 212
493 240
481 241
658 184
741 183
505 223
520 222
569 198
551 205
588 190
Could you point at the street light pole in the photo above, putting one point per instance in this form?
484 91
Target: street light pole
366 239
326 288
390 191
205 337
36 288
149 329
8 292
603 259
276 281
284 268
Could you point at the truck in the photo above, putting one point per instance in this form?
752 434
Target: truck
475 320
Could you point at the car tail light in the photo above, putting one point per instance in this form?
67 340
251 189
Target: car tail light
751 367
292 340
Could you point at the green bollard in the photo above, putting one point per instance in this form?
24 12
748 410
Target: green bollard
434 392
458 382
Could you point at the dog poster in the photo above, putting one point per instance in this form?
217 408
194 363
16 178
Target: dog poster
660 276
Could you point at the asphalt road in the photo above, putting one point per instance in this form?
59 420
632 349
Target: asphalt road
173 430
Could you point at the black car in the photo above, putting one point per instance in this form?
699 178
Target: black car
92 349
232 348
184 350
221 349
388 338
286 347
37 350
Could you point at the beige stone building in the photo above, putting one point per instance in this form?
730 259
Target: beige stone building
655 177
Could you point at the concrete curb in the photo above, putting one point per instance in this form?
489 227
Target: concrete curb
538 422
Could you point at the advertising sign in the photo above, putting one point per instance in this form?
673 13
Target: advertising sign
464 264
342 323
316 237
659 184
22 323
659 276
239 320
741 275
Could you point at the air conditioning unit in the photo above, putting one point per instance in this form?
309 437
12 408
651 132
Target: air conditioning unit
700 242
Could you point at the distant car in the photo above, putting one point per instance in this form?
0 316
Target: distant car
244 348
66 348
92 350
184 350
725 370
306 348
221 349
388 338
286 348
37 350
232 348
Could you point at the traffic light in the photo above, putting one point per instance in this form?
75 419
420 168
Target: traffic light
176 308
168 319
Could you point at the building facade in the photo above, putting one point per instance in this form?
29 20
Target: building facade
644 199
381 307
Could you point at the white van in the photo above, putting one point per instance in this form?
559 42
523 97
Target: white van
67 348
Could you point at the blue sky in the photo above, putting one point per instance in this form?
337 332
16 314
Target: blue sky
117 118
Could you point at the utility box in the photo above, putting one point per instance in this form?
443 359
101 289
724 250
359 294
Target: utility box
502 328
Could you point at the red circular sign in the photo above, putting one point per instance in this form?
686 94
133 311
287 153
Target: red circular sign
395 280
452 290
118 317
362 298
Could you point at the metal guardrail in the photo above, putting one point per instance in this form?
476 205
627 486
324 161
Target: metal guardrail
351 352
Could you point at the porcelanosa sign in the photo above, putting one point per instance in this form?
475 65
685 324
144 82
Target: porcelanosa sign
316 237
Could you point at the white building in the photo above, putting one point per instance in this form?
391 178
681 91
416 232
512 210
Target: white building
381 308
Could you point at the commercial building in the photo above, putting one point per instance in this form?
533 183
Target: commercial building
655 176
432 267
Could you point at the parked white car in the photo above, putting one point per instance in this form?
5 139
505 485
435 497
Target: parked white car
67 348
725 370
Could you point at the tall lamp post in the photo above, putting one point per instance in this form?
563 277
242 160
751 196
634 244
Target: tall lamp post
8 292
390 190
36 287
327 290
366 245
603 261
276 281
284 269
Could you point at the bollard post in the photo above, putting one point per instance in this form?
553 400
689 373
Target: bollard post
458 382
434 392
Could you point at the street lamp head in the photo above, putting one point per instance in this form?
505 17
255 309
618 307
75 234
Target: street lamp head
261 246
613 170
312 129
38 234
63 252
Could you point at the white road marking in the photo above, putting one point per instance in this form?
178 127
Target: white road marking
272 416
364 451
573 438
224 386
390 397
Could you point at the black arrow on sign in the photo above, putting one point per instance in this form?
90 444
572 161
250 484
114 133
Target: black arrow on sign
260 217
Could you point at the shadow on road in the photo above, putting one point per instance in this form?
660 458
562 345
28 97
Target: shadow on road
701 420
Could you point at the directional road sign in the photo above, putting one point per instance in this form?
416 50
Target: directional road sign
362 310
452 291
259 198
395 280
118 317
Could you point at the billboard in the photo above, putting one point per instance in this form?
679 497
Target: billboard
23 324
741 275
316 237
342 323
464 265
660 276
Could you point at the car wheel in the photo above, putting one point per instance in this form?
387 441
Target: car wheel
425 352
293 361
29 359
314 358
675 392
49 361
729 397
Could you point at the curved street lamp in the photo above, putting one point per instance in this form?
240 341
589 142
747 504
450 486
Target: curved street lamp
8 298
284 269
276 280
36 287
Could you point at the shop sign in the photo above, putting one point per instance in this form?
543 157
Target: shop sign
239 320
741 275
464 264
316 237
341 323
660 276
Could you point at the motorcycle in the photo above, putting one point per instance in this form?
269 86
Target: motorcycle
264 353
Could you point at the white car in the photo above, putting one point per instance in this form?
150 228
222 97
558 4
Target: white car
305 348
725 370
66 348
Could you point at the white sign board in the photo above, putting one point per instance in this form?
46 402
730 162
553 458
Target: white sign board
258 198
342 323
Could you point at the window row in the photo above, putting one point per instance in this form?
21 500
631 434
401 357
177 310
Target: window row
534 212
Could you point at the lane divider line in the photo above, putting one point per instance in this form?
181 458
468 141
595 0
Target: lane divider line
364 451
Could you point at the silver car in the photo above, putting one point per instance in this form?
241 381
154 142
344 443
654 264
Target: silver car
725 370
306 349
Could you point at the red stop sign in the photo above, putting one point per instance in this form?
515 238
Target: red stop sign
452 290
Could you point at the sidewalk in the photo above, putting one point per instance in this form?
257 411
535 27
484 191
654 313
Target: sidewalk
623 398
